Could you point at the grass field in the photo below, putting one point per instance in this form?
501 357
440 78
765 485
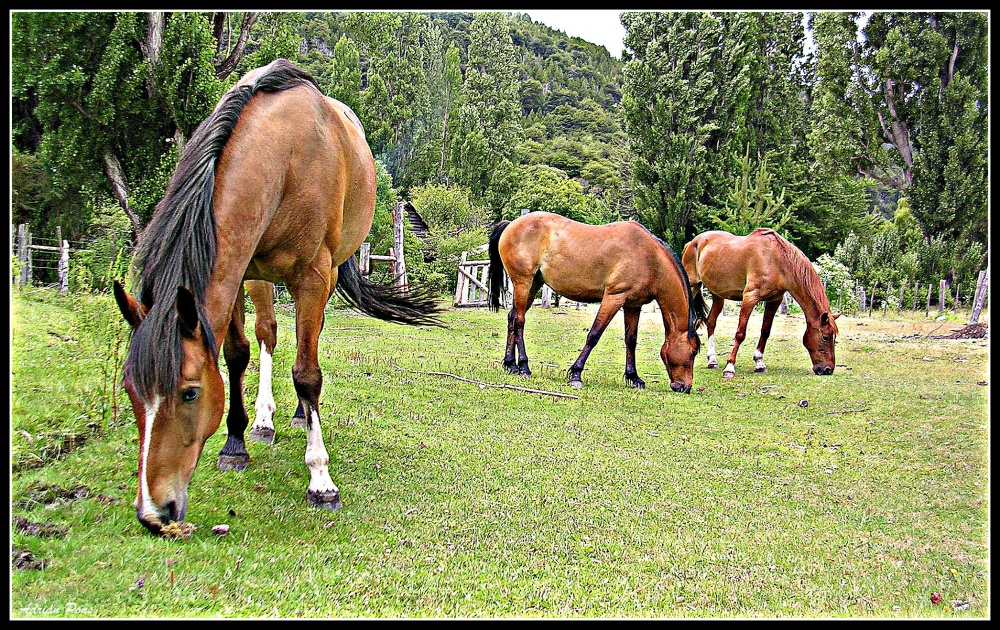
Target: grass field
775 495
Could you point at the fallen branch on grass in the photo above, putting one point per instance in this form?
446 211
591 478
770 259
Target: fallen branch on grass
482 384
849 410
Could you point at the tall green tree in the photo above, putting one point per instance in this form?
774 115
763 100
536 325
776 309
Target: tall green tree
700 89
490 119
905 102
106 100
394 93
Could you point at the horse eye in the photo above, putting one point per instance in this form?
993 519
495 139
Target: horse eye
189 394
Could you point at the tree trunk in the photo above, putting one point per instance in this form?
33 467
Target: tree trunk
113 169
227 66
151 46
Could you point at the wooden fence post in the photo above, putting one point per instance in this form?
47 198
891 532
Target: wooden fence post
63 263
24 253
460 283
399 267
861 298
871 299
941 293
916 290
364 254
981 290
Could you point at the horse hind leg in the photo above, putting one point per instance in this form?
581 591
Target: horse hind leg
770 308
522 362
631 337
236 351
524 295
266 331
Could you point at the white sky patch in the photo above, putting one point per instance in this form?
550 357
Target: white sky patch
598 26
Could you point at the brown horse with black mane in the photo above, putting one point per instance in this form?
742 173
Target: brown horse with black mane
277 184
621 265
760 267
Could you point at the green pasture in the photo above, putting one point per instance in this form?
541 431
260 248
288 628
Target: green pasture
775 495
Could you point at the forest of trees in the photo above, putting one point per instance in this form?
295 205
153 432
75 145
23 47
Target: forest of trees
868 148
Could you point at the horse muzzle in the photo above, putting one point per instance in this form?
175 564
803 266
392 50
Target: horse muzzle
154 518
823 370
680 388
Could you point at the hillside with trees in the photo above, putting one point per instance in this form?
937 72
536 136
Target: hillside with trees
868 151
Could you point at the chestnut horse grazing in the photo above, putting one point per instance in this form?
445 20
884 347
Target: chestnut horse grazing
277 184
621 265
760 267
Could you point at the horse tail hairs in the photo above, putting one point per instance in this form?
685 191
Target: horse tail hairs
414 306
699 309
498 288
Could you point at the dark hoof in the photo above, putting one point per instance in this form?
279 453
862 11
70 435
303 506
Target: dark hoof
524 371
713 365
511 368
760 370
233 462
636 382
324 500
262 434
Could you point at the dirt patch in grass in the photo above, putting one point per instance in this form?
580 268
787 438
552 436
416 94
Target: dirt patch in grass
971 331
48 494
52 447
42 530
25 560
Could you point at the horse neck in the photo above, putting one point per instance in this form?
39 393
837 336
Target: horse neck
808 291
669 297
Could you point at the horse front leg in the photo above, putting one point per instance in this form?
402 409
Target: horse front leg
311 292
746 309
236 350
610 305
713 318
631 336
770 308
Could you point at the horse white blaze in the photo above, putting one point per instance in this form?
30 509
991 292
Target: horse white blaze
317 459
148 508
265 396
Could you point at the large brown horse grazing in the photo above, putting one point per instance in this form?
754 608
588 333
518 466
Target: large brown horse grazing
277 184
760 267
621 265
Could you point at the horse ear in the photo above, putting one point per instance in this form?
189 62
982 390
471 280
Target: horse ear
129 306
187 312
837 315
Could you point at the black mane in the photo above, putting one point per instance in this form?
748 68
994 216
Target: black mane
178 248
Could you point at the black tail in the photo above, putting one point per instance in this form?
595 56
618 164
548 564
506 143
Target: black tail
415 306
498 287
699 309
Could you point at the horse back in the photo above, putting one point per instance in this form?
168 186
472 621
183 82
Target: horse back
295 181
727 264
582 261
